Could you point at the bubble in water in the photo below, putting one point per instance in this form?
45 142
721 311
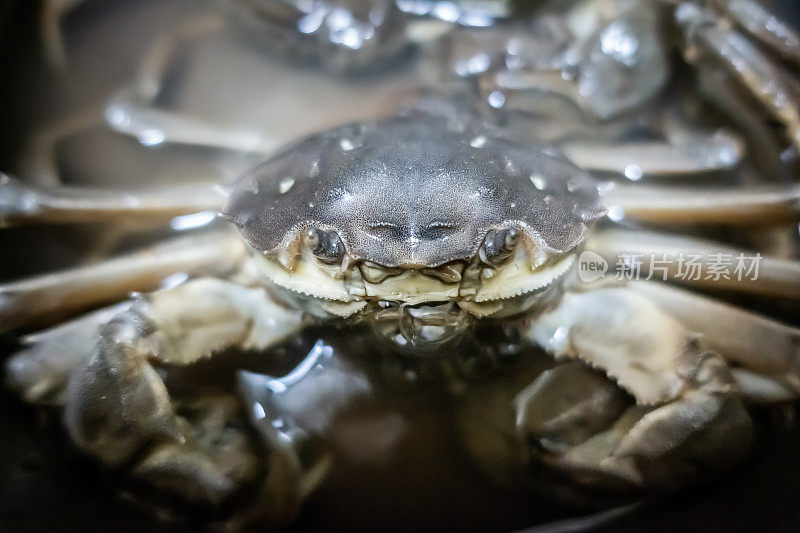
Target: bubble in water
193 220
616 213
474 65
559 338
478 142
285 185
447 11
497 99
314 172
152 137
538 182
620 42
510 167
633 172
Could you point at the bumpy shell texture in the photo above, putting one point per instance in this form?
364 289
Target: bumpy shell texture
414 191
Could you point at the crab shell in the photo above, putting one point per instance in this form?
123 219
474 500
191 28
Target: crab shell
414 192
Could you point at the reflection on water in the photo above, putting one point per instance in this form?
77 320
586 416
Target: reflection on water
397 433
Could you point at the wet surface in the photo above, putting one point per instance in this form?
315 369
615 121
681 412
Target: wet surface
47 484
420 479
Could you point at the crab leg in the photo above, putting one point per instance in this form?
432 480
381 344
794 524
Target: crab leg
39 163
49 297
761 346
118 409
765 144
22 203
616 329
126 114
660 363
40 370
696 154
765 80
763 25
522 83
52 36
667 257
161 55
132 112
766 205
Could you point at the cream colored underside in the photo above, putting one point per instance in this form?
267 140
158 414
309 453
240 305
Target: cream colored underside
518 277
308 277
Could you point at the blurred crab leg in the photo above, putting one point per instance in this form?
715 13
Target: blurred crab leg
759 344
161 55
52 37
39 163
543 93
132 112
762 389
118 408
23 203
765 80
535 82
40 370
765 143
128 115
49 297
763 25
767 205
717 152
667 257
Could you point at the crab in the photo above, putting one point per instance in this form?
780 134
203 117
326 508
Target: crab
574 75
423 229
589 76
438 242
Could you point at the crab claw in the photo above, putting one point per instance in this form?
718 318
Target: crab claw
180 446
118 409
560 416
579 423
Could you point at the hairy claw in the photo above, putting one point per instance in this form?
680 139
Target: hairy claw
635 446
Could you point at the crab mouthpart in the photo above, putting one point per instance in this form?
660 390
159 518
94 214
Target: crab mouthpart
421 326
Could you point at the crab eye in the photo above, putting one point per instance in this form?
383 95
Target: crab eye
326 245
499 245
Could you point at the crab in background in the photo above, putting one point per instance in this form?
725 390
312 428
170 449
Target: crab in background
451 232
